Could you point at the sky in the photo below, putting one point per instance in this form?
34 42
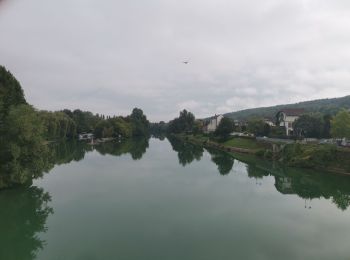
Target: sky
110 56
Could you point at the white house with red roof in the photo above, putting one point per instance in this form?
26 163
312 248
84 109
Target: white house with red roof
287 117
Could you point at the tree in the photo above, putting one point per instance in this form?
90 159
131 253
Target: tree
340 125
101 129
309 125
183 124
187 120
121 127
23 155
11 92
197 127
58 125
85 120
158 128
225 127
326 133
140 124
258 127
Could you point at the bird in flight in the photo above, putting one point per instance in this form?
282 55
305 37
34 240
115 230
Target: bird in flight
185 62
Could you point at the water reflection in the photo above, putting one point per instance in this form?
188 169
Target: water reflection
186 152
311 185
22 172
307 184
223 160
25 209
23 216
136 147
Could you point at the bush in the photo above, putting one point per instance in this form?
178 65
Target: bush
309 155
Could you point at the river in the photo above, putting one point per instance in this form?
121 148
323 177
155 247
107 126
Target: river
160 199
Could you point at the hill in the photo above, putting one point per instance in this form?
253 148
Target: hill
325 106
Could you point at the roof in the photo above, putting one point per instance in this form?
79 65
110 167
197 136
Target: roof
293 111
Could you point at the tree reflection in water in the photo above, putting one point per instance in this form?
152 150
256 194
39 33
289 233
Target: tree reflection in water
186 152
25 209
23 217
223 160
19 172
136 147
307 184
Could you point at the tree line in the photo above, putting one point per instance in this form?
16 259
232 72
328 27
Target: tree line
309 125
64 123
24 130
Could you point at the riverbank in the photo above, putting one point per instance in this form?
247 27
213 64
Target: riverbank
324 157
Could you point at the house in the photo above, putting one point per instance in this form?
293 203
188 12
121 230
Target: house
286 118
212 123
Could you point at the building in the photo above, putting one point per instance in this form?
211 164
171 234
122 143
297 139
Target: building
287 117
212 123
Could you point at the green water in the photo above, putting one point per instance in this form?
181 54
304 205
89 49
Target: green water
154 199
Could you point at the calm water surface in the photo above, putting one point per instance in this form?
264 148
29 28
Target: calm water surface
169 200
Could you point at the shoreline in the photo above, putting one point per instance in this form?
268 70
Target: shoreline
333 168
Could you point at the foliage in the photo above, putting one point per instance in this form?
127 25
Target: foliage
11 93
113 127
140 124
327 119
340 125
309 156
225 127
277 132
158 128
58 125
258 127
24 132
197 127
183 124
309 125
23 153
84 120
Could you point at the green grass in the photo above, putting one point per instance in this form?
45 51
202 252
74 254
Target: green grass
243 143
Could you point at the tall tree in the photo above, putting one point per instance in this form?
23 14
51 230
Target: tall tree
140 124
340 125
184 123
11 92
225 127
258 127
326 133
309 125
24 154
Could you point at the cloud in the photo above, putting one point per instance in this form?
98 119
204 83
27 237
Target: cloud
111 56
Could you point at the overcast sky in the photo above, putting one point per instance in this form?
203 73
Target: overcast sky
109 56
